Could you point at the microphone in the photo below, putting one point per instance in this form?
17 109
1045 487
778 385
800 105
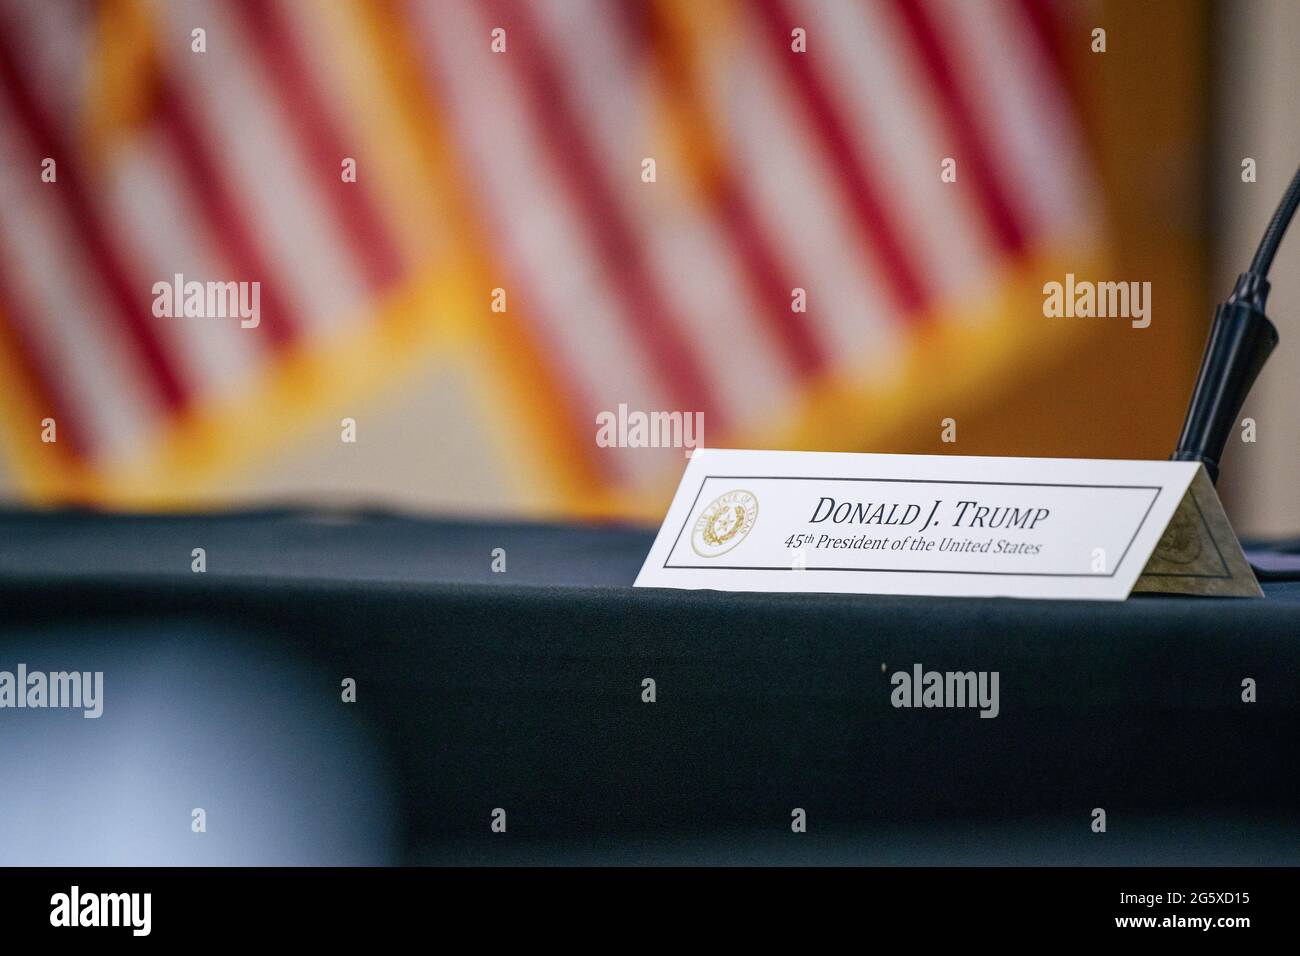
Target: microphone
1240 342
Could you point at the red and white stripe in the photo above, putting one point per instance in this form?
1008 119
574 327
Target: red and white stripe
868 71
55 41
320 133
53 294
165 233
228 94
792 186
688 254
1033 134
555 275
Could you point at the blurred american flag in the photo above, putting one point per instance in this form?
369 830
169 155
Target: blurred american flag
776 169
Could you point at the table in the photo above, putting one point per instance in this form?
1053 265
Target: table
522 690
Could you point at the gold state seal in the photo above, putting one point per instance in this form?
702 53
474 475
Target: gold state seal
1181 542
724 523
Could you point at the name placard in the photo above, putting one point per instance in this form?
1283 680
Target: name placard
935 525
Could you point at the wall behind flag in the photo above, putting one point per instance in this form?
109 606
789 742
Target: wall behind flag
1257 152
518 257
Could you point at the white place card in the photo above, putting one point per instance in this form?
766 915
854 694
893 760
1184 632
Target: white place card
938 525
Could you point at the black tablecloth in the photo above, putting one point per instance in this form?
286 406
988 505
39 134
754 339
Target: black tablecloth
523 691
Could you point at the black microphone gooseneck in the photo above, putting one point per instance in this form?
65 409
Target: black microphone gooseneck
1241 339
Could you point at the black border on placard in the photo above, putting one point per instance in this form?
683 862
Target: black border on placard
910 481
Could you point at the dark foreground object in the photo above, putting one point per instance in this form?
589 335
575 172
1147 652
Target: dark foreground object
523 692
